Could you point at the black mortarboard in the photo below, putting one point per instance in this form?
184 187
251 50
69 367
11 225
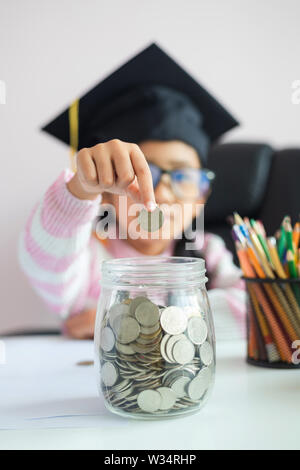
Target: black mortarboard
149 97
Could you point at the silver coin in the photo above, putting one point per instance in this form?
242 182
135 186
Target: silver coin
117 401
168 398
163 346
154 357
173 320
151 221
125 349
142 349
125 393
206 375
186 372
135 302
108 356
170 344
191 311
132 397
149 400
109 374
146 382
149 341
124 384
127 329
197 330
190 372
171 376
196 388
117 310
149 330
179 406
147 313
107 339
179 386
121 296
152 336
206 353
183 351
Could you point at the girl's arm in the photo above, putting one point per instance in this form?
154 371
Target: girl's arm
56 250
227 293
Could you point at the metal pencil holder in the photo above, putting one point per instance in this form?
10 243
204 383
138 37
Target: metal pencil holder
273 322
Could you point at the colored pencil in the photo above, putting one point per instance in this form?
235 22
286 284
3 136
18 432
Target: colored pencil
274 309
279 337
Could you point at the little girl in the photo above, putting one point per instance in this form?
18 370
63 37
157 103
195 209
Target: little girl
157 161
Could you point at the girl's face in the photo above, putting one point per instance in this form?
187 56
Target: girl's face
170 155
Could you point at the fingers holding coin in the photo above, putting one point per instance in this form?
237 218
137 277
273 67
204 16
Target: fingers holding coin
116 167
144 178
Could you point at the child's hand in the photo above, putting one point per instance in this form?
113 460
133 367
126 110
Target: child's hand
116 167
81 326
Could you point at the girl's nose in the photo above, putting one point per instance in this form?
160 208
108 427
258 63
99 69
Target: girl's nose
163 191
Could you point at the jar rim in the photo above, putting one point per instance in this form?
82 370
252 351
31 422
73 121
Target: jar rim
152 262
154 269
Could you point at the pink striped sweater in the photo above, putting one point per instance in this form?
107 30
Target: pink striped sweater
62 260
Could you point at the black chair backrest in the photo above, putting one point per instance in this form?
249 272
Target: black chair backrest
256 182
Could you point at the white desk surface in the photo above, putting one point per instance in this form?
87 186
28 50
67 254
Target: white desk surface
47 402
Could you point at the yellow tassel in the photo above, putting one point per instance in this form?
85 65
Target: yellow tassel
74 126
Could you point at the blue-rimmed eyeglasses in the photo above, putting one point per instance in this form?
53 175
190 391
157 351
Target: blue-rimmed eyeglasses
186 183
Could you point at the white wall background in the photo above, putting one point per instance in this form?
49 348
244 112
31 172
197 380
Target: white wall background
51 51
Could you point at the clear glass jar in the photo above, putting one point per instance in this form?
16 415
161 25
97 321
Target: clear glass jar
154 337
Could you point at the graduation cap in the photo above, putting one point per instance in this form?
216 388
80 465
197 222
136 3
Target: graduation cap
149 97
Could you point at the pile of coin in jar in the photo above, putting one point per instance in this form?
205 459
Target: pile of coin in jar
154 359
